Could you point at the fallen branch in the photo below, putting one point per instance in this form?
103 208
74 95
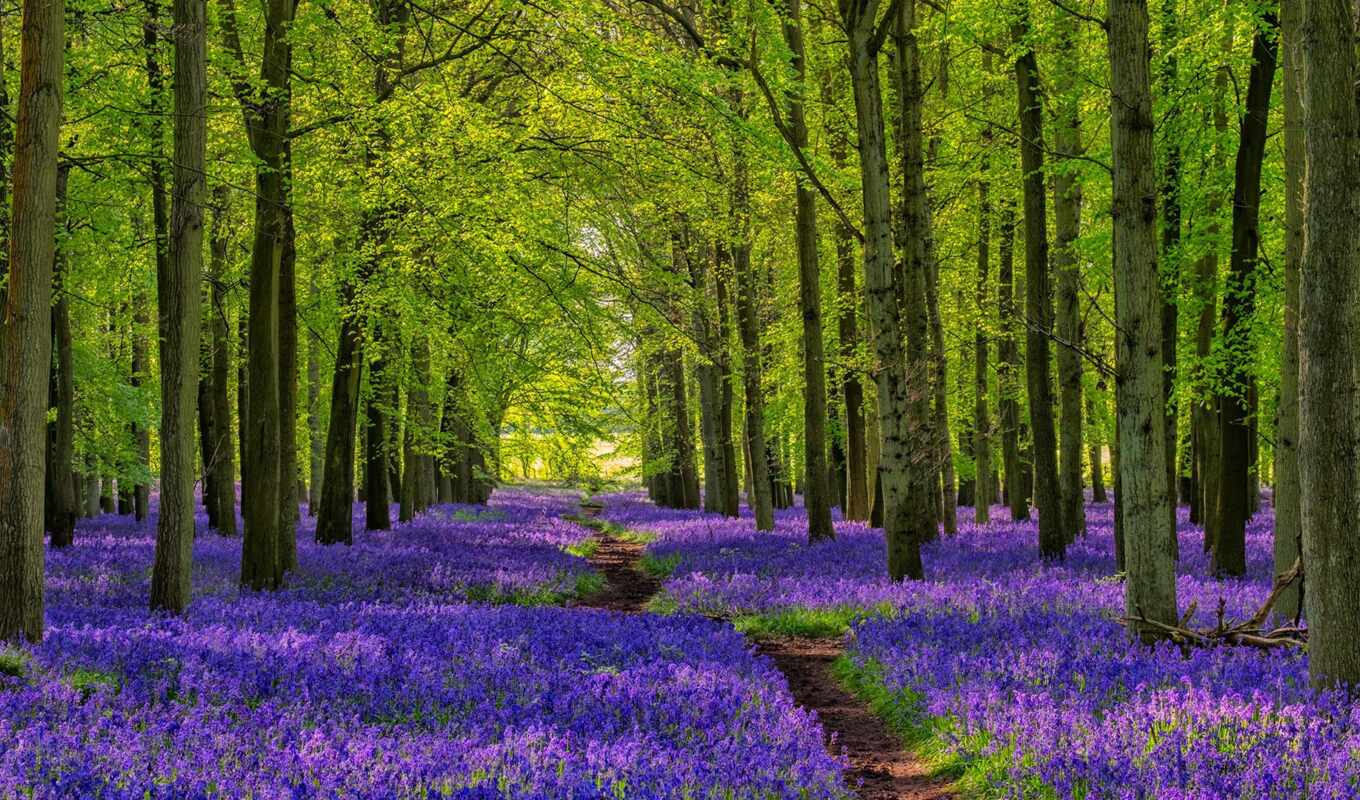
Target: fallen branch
1248 633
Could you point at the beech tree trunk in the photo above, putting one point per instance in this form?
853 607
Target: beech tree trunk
1143 494
28 320
316 436
760 497
1329 430
377 515
816 490
1008 358
1094 443
224 448
731 502
60 500
178 303
1171 237
1287 534
984 481
907 519
1038 302
1230 551
1067 227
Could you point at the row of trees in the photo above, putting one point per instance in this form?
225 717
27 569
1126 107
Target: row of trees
773 246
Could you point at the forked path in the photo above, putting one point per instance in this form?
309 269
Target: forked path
878 765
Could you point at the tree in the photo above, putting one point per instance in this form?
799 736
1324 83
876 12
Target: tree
1038 298
28 319
1329 274
1235 428
1150 589
179 309
984 492
817 493
60 503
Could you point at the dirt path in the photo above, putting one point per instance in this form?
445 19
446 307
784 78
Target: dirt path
876 756
878 764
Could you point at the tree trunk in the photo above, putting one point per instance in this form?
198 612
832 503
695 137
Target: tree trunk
1038 302
1171 237
706 370
288 458
816 491
28 320
731 502
224 449
1329 431
1008 358
316 441
377 514
60 501
1094 444
1230 554
179 304
1143 494
984 481
1067 227
906 519
1287 534
760 497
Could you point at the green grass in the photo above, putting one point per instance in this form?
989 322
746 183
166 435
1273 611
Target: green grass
13 662
811 623
584 548
662 603
922 735
660 566
88 681
586 584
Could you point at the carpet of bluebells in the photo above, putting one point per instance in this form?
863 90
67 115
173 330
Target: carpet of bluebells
422 662
1017 669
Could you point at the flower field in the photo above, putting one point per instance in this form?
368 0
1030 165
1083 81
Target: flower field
371 676
1016 672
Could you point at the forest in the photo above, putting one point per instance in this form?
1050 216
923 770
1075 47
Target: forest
680 399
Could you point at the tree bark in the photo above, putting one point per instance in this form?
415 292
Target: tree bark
60 500
721 283
1230 553
1143 493
1171 238
1329 431
224 448
1067 199
28 320
760 497
1008 358
1097 469
907 520
984 481
376 512
816 491
1287 534
316 436
179 307
288 458
1038 301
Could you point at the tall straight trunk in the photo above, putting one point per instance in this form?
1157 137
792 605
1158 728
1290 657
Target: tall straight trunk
706 370
1329 431
377 514
6 153
1287 534
731 502
1143 494
906 519
673 359
242 383
1008 364
1094 444
160 221
224 448
1206 288
816 490
60 501
316 437
417 416
28 320
208 426
939 381
856 475
761 497
984 482
265 112
1038 301
1067 227
913 238
1230 552
288 458
1171 238
138 494
179 304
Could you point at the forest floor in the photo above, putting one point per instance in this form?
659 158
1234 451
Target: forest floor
880 768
